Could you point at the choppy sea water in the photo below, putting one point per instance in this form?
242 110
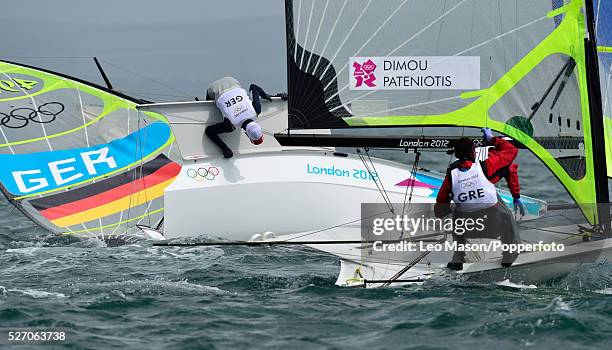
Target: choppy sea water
143 297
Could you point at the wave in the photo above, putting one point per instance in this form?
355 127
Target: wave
34 293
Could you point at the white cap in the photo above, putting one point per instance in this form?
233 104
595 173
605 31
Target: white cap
253 131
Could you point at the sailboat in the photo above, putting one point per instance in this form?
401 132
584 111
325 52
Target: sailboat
528 72
85 160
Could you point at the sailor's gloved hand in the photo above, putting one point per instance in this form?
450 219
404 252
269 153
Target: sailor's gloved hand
487 135
283 95
519 207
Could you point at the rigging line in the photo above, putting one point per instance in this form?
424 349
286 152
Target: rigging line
377 177
83 115
370 38
362 244
516 35
413 173
7 141
142 179
307 34
42 125
134 173
329 36
154 94
146 211
86 230
404 207
363 11
336 226
381 191
310 251
144 77
116 227
597 16
317 35
550 231
62 57
456 54
314 251
472 22
486 114
409 266
501 28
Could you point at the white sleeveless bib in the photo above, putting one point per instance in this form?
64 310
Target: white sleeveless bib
236 106
472 190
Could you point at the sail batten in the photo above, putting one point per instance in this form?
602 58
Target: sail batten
73 159
383 72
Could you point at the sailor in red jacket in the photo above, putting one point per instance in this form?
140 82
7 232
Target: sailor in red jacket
470 185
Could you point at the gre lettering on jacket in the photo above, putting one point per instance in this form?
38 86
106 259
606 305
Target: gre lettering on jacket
472 188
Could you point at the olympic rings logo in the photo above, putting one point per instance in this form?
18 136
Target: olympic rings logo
202 174
239 109
468 184
369 67
44 114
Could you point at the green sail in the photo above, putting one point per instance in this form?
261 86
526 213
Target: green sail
78 158
533 74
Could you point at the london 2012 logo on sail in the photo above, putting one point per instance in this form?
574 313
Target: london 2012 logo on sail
364 73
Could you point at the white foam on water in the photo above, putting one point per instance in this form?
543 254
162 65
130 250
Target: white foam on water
38 294
560 305
607 291
159 285
27 250
507 283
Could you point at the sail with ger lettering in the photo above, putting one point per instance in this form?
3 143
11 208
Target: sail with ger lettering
78 158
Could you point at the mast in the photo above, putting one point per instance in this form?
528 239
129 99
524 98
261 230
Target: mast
597 122
288 28
106 80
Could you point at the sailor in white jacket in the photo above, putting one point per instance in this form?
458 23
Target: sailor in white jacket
238 111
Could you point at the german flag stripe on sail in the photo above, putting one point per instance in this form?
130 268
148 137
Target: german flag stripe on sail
110 196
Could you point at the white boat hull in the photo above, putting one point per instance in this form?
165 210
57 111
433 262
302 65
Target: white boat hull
282 192
529 268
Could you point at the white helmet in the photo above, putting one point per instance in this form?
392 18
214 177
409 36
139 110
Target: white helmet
253 131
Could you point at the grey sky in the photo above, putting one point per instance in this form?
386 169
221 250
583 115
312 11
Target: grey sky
183 43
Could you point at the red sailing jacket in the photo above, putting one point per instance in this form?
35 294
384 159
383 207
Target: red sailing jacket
498 166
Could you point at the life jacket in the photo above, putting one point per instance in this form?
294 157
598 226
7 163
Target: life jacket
236 106
471 189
